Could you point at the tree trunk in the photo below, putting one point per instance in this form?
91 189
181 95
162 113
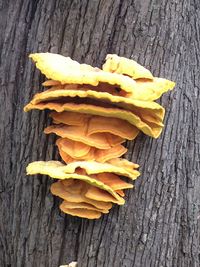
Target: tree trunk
159 224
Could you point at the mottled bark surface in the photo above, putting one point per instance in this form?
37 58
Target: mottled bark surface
159 224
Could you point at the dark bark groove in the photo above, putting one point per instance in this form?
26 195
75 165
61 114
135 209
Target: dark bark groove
159 224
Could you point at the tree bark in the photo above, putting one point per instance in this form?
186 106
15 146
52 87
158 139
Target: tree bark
159 224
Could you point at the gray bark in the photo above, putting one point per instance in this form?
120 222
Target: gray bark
159 224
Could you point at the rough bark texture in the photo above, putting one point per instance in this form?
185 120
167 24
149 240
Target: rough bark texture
159 224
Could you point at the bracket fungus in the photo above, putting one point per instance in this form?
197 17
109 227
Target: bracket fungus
93 112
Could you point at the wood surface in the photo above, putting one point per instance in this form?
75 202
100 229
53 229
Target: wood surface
159 226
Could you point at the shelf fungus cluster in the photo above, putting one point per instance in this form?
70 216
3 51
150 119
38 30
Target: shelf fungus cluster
94 111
